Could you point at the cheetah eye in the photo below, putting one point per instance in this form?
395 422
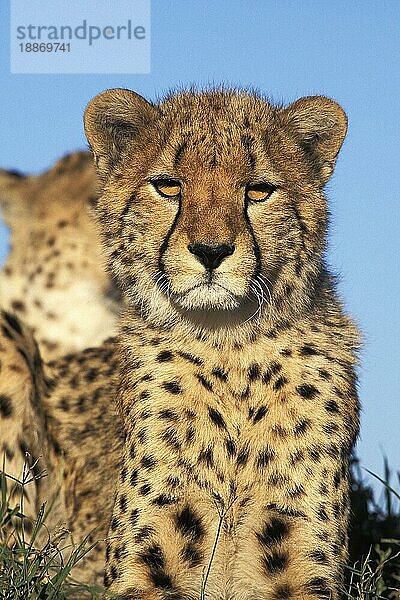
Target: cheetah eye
259 192
169 188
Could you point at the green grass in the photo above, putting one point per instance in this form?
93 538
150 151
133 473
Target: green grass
32 559
33 564
374 565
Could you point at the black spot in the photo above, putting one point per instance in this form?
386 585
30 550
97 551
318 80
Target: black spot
220 374
276 562
113 572
193 359
189 524
173 481
254 372
6 409
153 558
114 524
230 447
278 479
18 305
336 509
191 554
170 437
337 479
338 393
168 414
283 592
145 489
206 456
273 369
134 516
108 552
216 417
296 491
91 375
318 586
204 382
308 351
190 434
142 435
323 489
148 462
265 457
164 356
286 352
330 428
144 533
163 500
324 374
332 406
319 556
296 456
314 452
307 390
333 451
322 514
243 457
245 393
147 377
302 426
279 383
260 413
279 430
123 503
274 532
172 387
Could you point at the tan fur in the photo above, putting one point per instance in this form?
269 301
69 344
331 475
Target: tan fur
235 388
59 420
54 277
253 429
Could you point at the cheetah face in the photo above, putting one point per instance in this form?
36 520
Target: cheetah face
212 202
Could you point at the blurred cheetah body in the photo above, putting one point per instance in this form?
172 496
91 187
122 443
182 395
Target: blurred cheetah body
54 277
59 425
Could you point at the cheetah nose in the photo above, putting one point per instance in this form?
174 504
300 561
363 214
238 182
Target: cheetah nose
211 255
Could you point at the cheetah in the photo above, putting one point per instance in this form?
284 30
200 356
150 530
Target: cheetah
237 382
228 399
55 277
63 433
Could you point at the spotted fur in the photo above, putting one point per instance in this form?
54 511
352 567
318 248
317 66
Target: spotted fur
54 277
237 383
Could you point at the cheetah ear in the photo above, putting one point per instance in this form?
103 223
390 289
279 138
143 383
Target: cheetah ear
13 203
319 125
111 120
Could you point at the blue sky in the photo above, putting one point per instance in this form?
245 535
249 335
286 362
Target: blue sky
287 49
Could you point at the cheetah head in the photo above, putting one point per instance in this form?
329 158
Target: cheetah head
212 207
